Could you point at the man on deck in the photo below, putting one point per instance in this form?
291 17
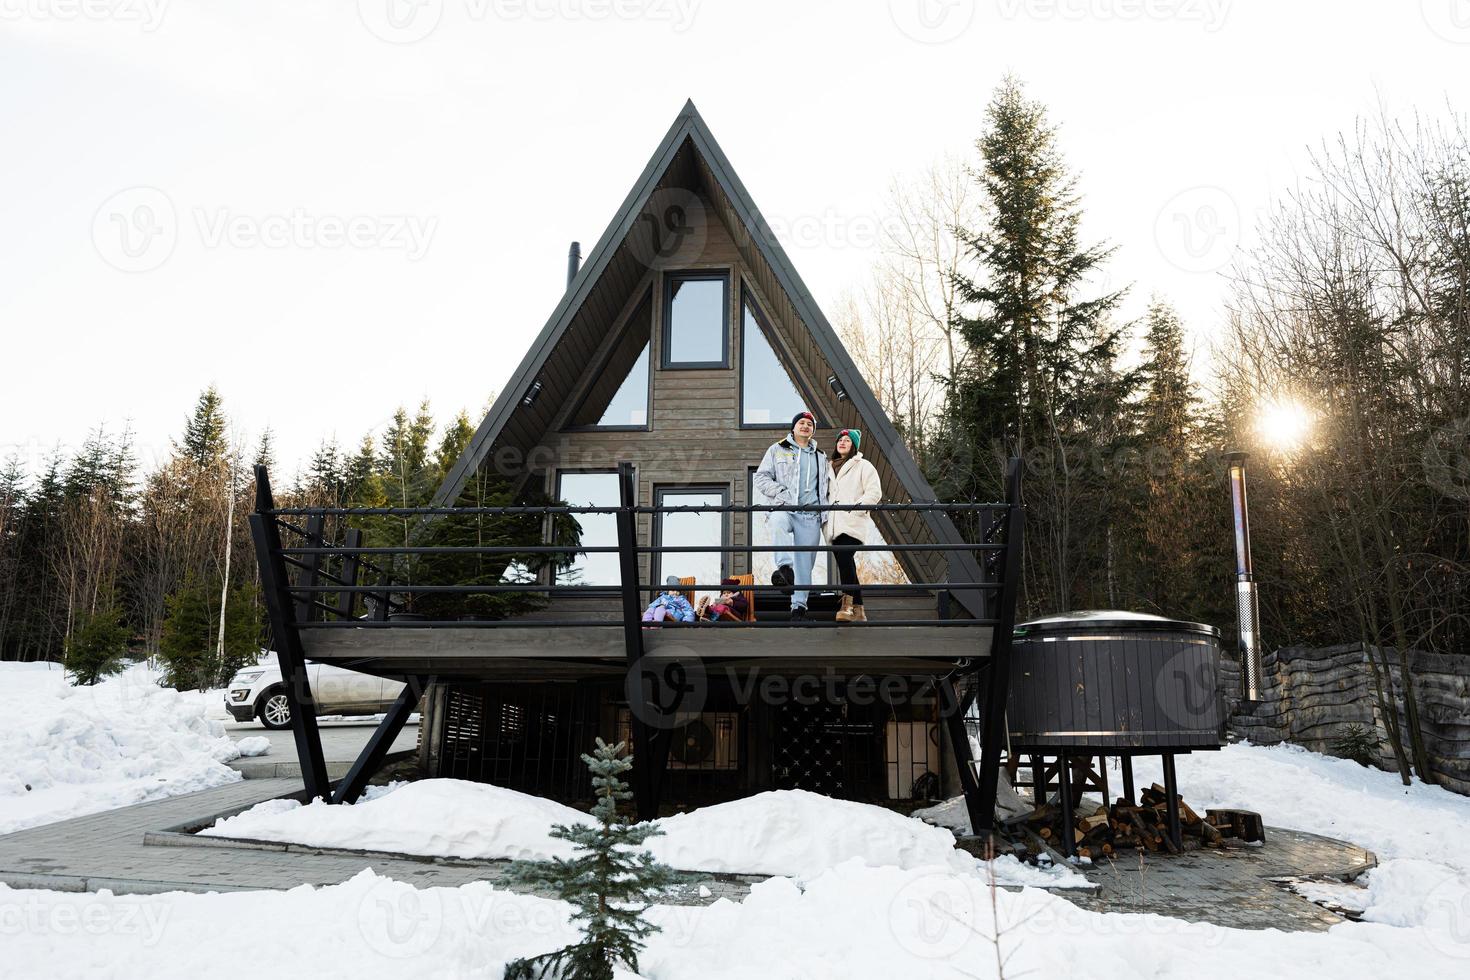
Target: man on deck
795 472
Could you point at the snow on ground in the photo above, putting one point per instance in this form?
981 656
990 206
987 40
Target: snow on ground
66 751
787 832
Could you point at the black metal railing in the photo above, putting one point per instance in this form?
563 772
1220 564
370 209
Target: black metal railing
334 581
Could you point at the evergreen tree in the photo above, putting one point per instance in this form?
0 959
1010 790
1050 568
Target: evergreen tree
205 444
456 439
609 883
265 450
1040 366
97 646
189 646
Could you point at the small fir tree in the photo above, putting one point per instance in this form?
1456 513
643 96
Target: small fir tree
97 646
609 882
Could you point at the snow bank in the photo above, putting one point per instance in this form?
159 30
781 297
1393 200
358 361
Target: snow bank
67 751
787 832
851 922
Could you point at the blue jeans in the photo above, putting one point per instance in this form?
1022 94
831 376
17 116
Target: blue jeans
788 529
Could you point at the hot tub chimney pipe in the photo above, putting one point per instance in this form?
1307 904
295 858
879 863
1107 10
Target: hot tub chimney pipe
1246 604
574 262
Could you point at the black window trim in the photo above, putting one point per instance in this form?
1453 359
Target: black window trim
666 324
569 588
725 490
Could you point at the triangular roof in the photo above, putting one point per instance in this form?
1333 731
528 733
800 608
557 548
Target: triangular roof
735 206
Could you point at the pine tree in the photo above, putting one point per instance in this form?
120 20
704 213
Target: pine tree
265 450
188 646
97 646
1041 355
609 883
205 444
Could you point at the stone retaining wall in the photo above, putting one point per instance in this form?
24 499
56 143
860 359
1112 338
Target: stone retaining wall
1309 695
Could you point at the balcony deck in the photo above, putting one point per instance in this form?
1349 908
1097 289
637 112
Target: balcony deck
597 648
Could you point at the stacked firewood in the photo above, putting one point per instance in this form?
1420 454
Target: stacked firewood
1143 827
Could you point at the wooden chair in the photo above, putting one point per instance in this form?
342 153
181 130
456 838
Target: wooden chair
745 580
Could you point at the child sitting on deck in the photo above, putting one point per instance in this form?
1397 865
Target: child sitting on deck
731 605
670 605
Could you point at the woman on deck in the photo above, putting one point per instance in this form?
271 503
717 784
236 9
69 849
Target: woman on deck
854 481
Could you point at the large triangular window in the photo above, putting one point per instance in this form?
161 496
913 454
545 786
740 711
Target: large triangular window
626 405
768 394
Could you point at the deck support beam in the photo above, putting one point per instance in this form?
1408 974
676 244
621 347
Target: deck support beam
650 739
287 639
376 750
993 718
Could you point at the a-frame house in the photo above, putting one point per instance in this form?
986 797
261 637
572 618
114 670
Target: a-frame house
678 354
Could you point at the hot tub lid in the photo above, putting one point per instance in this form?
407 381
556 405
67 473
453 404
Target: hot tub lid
1110 620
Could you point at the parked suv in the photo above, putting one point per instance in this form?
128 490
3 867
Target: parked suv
259 692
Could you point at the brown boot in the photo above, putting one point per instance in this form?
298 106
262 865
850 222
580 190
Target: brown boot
844 615
858 615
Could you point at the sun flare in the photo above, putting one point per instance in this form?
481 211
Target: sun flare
1284 424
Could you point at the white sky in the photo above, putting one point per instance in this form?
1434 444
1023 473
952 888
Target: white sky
467 158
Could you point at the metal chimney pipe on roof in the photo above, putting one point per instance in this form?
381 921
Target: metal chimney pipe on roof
574 262
1246 601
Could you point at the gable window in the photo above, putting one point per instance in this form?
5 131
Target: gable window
768 395
696 331
626 367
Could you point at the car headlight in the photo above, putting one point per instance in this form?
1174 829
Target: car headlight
247 677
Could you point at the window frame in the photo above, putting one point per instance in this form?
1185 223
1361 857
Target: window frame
656 531
666 324
572 587
783 357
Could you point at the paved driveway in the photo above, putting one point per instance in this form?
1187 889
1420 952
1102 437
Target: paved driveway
342 740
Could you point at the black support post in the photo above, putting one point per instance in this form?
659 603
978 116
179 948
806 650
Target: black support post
1127 763
276 588
372 755
1064 794
959 739
993 721
647 758
347 601
1171 805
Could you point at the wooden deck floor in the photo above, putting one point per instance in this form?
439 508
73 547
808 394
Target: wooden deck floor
550 652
